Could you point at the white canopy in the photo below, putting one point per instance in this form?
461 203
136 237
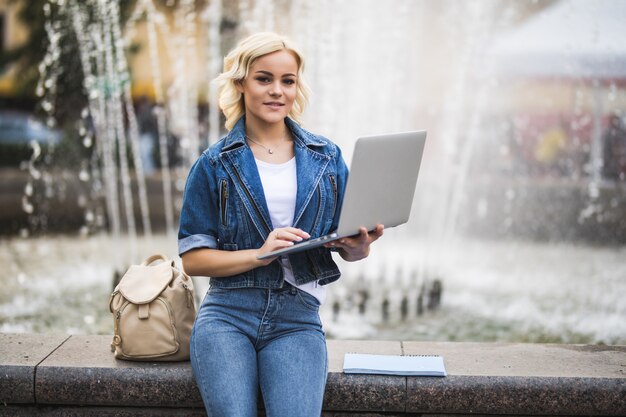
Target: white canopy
571 38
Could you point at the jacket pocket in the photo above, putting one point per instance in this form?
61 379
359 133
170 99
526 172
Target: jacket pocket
224 202
318 225
333 184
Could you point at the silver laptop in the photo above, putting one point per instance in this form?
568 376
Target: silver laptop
380 187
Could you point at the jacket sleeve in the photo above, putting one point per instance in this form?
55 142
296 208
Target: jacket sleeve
199 213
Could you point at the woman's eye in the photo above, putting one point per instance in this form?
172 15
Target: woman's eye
263 79
289 81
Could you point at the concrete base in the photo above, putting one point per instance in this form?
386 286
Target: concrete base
58 375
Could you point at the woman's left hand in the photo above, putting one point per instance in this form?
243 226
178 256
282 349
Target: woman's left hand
357 247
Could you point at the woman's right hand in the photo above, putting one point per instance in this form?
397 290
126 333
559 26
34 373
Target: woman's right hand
280 238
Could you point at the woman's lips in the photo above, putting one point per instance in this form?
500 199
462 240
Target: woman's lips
274 104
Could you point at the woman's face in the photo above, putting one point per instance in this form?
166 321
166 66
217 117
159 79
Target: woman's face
269 89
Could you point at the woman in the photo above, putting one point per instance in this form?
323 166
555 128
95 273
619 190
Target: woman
267 184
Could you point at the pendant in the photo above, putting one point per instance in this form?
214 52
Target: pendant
270 151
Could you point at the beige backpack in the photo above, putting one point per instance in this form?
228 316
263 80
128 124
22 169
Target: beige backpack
153 312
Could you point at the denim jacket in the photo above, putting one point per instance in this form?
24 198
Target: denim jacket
224 205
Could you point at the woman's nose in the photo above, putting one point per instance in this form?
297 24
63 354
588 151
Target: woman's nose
276 90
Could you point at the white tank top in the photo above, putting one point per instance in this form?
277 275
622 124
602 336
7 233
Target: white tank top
280 185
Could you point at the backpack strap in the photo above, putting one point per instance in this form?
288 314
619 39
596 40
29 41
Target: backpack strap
143 311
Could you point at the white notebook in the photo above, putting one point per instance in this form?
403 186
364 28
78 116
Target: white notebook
414 365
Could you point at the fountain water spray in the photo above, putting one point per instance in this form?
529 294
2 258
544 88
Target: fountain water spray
373 67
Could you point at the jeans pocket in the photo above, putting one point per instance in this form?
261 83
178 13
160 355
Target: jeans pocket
308 300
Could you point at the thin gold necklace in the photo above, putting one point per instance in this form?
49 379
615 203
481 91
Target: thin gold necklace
269 150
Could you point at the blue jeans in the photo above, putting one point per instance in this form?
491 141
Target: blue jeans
250 338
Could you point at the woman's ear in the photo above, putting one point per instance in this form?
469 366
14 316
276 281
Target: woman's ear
239 86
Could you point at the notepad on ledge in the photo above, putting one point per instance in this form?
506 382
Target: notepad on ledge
414 365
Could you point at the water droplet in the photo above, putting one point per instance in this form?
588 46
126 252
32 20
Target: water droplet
87 142
611 96
36 149
89 82
510 194
28 189
84 175
482 208
586 213
27 206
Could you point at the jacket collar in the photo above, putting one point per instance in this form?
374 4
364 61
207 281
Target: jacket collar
237 136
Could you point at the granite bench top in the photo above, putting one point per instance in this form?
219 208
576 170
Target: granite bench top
483 378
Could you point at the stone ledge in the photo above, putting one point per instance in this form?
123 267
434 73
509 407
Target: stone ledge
84 372
517 396
19 356
46 374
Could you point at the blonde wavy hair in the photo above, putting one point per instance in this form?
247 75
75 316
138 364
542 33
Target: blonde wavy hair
237 64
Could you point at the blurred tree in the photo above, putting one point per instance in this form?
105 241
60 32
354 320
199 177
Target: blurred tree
27 57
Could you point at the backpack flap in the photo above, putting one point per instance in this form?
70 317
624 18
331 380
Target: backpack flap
143 283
